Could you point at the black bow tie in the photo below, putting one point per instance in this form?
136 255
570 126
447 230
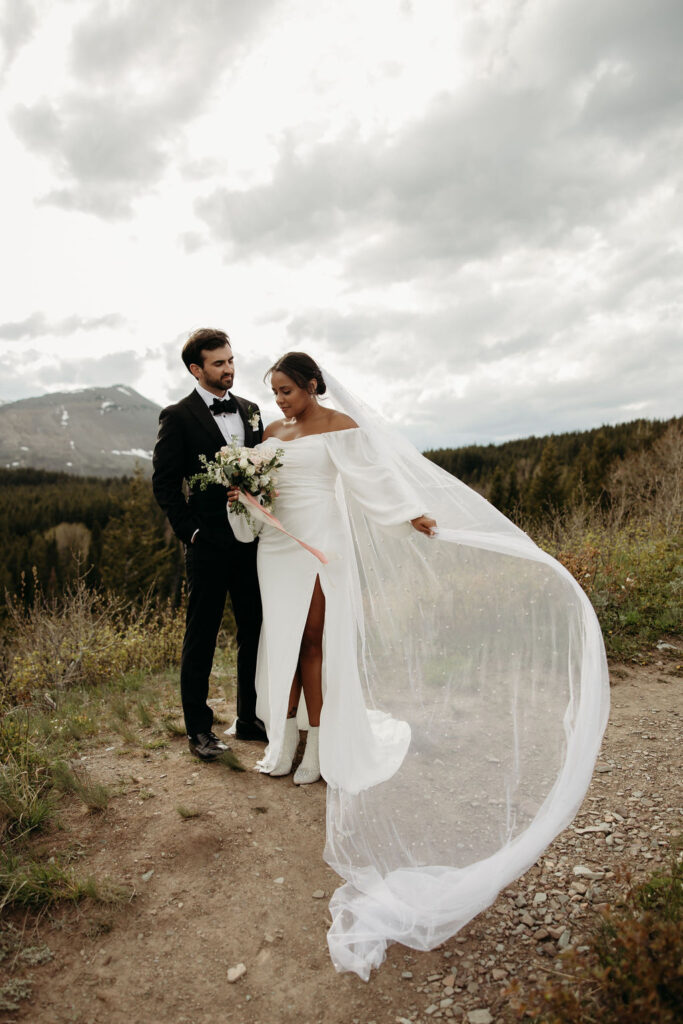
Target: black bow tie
221 405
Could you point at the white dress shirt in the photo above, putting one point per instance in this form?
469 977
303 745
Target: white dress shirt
229 423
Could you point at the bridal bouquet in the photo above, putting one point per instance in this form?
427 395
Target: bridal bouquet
254 472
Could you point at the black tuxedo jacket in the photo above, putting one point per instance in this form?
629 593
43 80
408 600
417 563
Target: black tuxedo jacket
186 431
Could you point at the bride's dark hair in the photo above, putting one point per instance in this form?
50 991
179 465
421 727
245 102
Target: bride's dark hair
302 370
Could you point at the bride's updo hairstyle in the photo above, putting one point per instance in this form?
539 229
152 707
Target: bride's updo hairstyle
300 368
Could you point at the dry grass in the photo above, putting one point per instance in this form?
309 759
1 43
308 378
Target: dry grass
85 638
94 795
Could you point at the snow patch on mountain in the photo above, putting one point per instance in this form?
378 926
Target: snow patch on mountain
106 431
139 453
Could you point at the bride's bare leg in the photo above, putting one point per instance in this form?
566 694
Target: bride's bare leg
294 694
311 655
308 676
310 673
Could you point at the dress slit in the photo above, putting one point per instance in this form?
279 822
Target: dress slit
279 652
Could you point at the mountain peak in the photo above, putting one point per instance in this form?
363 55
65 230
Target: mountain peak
93 431
121 392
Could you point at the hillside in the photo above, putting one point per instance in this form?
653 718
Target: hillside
109 431
530 474
51 522
99 432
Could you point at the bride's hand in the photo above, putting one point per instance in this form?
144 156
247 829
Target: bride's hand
423 524
233 495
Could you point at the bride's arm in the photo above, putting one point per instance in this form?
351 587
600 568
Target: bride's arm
375 482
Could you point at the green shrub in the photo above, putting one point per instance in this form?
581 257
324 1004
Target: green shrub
631 972
84 638
631 569
25 882
25 803
13 991
94 795
187 812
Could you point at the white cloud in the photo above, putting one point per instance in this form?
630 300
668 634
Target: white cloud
17 23
37 326
141 73
471 215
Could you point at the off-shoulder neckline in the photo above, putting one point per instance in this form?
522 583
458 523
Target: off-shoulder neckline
304 437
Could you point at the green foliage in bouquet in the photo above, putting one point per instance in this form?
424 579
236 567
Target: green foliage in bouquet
252 470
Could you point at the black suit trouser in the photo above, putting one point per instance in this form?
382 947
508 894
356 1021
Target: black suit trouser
213 573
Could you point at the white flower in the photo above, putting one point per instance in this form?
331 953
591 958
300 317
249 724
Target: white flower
243 463
254 421
265 480
250 470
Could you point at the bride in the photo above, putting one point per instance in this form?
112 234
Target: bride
305 602
454 679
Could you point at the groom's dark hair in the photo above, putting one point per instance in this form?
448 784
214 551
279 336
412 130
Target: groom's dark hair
206 338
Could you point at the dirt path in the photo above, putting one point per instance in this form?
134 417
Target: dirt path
252 860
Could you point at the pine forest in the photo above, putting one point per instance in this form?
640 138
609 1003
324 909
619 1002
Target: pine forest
606 502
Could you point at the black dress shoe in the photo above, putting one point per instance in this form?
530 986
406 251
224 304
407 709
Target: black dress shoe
250 731
207 746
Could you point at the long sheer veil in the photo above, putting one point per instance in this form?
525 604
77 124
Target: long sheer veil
492 653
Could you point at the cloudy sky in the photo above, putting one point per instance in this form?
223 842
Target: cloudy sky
470 210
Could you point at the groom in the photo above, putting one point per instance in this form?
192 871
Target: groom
216 563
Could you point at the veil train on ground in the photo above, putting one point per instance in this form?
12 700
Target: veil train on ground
491 652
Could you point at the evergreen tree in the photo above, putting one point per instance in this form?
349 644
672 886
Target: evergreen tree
545 492
95 554
513 496
54 576
498 492
597 468
135 555
575 478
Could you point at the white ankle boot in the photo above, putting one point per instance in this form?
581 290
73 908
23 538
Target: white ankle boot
309 769
289 744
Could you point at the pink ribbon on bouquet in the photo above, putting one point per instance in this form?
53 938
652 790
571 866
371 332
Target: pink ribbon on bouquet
268 517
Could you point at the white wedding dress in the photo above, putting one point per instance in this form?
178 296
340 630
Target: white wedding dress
359 746
464 681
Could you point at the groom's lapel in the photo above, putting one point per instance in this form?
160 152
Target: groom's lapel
243 409
200 410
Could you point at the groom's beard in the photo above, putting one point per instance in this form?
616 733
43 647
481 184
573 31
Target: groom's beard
221 383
